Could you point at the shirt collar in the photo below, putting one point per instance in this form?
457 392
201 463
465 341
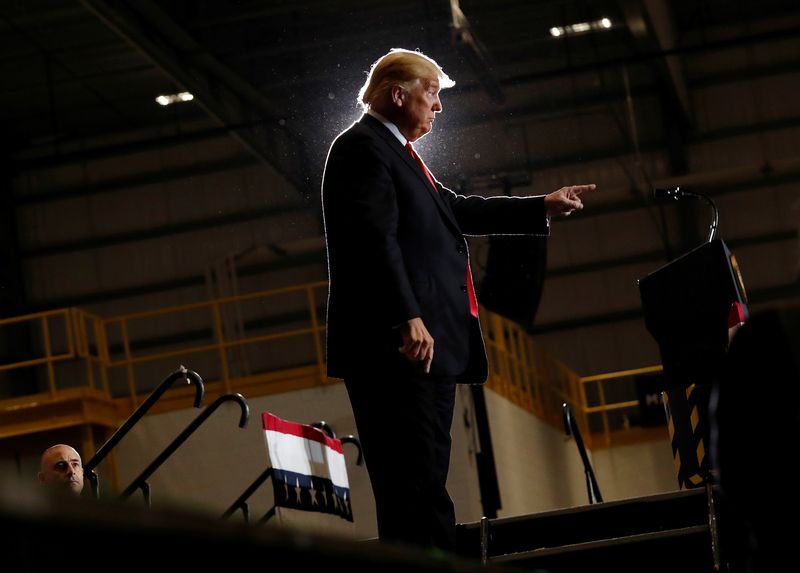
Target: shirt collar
389 125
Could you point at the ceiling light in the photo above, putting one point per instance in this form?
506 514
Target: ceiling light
581 28
174 98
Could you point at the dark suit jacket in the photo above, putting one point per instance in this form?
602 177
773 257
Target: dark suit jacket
396 250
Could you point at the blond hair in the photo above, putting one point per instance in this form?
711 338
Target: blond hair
400 67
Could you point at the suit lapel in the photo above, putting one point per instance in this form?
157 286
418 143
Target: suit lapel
398 148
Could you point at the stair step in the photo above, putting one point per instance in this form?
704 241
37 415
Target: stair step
601 543
662 532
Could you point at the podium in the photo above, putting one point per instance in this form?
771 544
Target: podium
689 306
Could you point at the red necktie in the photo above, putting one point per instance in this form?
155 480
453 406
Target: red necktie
421 164
473 301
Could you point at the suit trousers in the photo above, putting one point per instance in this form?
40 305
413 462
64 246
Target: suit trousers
404 425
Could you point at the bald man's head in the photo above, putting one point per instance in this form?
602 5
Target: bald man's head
61 466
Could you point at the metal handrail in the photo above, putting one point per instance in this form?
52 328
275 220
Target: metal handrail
141 480
241 501
188 375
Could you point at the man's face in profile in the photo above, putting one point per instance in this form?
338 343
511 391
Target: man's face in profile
420 105
62 466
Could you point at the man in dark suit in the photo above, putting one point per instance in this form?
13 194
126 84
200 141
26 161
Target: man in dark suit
401 287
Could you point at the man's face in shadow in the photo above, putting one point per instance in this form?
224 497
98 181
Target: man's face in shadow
62 466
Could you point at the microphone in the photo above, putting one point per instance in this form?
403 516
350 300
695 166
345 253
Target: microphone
676 193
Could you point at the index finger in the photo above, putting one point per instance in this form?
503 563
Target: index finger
428 360
578 189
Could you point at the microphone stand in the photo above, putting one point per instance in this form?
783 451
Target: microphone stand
571 428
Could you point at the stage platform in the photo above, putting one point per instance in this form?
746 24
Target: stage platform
662 533
667 532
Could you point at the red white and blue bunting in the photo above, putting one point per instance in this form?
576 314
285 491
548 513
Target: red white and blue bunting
308 467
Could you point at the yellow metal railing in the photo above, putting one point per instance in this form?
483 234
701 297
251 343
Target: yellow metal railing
232 332
106 346
44 327
603 407
91 347
311 333
521 371
525 374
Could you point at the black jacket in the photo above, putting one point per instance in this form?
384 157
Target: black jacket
396 250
